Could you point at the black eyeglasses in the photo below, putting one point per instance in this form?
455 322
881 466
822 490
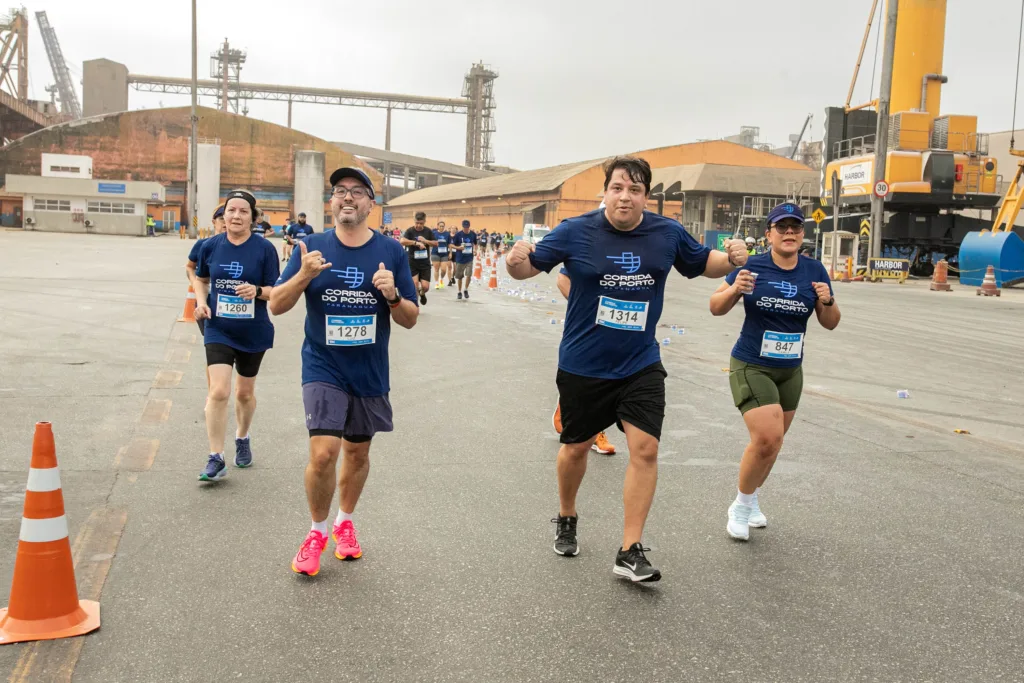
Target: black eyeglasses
356 192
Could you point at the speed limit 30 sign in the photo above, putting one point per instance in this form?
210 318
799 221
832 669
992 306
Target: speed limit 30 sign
881 189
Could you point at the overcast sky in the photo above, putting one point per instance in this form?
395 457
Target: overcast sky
578 79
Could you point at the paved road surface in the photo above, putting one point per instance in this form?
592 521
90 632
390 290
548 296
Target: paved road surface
893 553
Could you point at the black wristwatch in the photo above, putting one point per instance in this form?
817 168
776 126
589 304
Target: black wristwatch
259 292
831 301
397 300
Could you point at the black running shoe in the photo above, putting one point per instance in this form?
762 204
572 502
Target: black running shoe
565 541
632 564
466 295
423 298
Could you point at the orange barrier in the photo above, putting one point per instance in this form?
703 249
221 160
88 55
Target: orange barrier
44 602
493 283
188 315
988 285
940 277
478 271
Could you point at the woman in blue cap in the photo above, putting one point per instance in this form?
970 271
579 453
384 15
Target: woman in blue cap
779 290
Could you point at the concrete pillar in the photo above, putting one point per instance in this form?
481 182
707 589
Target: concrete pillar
104 87
289 113
207 182
709 211
309 186
405 179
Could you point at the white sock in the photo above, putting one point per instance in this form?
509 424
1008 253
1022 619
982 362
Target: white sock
343 517
745 498
320 526
757 491
243 438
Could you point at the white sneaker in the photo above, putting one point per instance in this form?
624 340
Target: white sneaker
757 518
739 521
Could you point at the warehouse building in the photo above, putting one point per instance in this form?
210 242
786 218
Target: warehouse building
705 185
284 168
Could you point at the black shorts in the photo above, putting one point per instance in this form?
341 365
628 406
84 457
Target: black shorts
247 364
420 268
591 405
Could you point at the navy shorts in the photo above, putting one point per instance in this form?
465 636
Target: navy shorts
330 411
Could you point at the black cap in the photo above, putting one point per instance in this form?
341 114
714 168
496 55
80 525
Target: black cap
465 224
355 174
302 214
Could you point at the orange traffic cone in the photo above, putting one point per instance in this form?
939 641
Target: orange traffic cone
988 285
44 602
189 314
478 271
488 262
493 283
940 277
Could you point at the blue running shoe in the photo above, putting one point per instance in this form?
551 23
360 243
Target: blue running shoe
243 454
215 469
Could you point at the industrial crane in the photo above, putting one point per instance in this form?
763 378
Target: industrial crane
65 87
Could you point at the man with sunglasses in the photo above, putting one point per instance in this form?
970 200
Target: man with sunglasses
355 282
779 289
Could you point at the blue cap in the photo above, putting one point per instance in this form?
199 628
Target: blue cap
219 213
354 173
786 210
465 224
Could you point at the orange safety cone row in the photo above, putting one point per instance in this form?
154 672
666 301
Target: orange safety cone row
44 602
988 285
940 277
493 283
188 315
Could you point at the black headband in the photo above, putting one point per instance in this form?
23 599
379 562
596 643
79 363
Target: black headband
242 194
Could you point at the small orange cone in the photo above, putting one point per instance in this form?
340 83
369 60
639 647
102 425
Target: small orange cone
988 285
940 277
189 314
478 271
493 283
488 262
44 602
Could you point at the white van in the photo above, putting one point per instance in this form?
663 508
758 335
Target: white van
533 233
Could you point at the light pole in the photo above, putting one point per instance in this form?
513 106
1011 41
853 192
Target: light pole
191 199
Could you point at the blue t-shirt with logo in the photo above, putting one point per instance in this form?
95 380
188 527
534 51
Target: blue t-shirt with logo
348 321
442 243
193 255
242 325
299 230
461 238
618 287
777 311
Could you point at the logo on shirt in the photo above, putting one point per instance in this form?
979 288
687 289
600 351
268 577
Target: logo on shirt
352 276
234 269
788 289
629 262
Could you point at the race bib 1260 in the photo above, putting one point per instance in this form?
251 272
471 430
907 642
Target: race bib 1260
622 315
419 254
782 345
235 307
351 330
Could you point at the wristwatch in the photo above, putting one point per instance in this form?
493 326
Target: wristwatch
397 300
831 301
259 292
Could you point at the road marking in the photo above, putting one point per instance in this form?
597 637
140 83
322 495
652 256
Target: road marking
157 410
137 456
166 379
55 660
178 356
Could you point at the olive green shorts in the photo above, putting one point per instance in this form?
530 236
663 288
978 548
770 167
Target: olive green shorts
754 386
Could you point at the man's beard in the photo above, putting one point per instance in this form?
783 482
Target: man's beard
352 219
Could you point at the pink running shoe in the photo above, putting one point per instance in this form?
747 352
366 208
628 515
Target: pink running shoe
307 561
344 535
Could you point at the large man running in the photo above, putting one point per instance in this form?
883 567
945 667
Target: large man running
463 244
355 282
609 362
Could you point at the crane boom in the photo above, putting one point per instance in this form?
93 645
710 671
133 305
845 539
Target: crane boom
65 87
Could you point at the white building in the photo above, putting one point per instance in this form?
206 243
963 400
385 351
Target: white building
82 204
66 166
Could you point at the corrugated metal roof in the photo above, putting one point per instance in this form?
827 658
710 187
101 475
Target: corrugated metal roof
540 180
736 179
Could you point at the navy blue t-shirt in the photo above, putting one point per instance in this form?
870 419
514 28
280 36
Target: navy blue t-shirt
442 243
298 230
464 238
618 287
777 311
193 255
348 321
242 325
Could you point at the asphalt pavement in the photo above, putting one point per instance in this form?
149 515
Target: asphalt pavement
893 551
